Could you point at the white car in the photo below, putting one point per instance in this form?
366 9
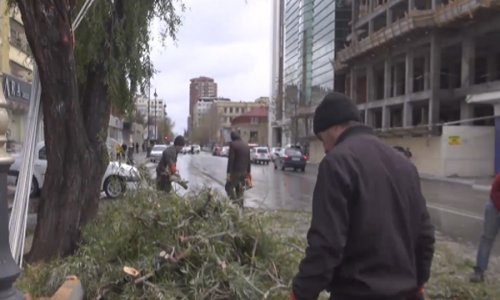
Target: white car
185 149
197 149
224 151
116 180
275 152
260 155
156 152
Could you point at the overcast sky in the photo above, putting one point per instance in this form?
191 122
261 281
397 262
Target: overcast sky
228 40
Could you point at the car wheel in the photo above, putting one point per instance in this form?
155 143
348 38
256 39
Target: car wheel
114 187
303 169
35 188
275 166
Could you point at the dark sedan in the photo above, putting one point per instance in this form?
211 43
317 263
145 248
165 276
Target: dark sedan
290 158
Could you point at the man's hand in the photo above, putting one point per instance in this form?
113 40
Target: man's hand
228 178
419 294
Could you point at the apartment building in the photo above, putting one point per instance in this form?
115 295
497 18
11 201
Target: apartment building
252 126
203 108
16 70
224 112
426 75
199 87
157 113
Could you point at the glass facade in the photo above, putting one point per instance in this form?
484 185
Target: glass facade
308 49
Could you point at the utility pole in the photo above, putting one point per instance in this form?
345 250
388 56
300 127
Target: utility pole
147 126
156 105
9 270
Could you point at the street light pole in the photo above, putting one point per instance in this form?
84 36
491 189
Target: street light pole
9 270
156 135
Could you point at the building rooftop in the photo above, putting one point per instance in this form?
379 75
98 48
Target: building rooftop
259 112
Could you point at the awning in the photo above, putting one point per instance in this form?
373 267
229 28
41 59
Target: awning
484 98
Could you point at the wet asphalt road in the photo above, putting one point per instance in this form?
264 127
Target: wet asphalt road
456 210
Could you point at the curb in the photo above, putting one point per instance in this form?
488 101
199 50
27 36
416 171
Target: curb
480 187
448 180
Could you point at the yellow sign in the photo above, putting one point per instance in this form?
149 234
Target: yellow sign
454 140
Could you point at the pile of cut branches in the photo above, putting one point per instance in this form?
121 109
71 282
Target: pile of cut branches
156 246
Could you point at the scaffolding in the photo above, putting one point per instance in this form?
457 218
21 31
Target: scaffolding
415 20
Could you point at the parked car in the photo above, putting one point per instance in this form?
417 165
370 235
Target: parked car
274 152
216 151
194 149
224 151
116 180
290 158
157 152
260 155
405 151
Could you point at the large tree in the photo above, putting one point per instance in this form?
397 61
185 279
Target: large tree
107 66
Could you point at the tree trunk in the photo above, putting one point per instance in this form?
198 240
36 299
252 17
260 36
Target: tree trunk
74 149
96 110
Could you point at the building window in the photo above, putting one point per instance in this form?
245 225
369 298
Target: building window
254 136
237 110
225 110
230 110
254 120
19 71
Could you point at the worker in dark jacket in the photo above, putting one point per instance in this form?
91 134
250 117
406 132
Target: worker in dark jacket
491 226
168 165
238 168
370 236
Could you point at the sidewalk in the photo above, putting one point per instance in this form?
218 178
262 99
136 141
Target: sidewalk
476 183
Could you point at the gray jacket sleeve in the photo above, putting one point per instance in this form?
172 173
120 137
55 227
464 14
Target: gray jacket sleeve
328 232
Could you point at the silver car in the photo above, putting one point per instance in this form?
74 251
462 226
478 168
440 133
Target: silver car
157 152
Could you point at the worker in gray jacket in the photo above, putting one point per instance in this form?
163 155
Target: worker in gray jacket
168 165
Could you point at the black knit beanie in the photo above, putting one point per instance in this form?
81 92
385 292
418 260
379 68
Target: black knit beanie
335 109
235 136
179 141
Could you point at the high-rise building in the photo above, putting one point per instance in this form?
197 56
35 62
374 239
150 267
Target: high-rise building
307 36
199 88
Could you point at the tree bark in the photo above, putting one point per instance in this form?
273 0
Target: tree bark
73 137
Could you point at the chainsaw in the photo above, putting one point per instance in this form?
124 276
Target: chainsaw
177 179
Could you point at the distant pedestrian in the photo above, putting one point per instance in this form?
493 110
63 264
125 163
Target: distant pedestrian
168 165
491 225
238 168
370 235
130 155
137 147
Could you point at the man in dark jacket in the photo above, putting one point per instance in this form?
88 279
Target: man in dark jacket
168 165
370 235
238 168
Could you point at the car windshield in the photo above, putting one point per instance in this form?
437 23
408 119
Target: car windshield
262 151
292 152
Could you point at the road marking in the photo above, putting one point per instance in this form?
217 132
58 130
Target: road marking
455 212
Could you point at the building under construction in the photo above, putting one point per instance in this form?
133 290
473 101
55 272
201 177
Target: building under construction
426 75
